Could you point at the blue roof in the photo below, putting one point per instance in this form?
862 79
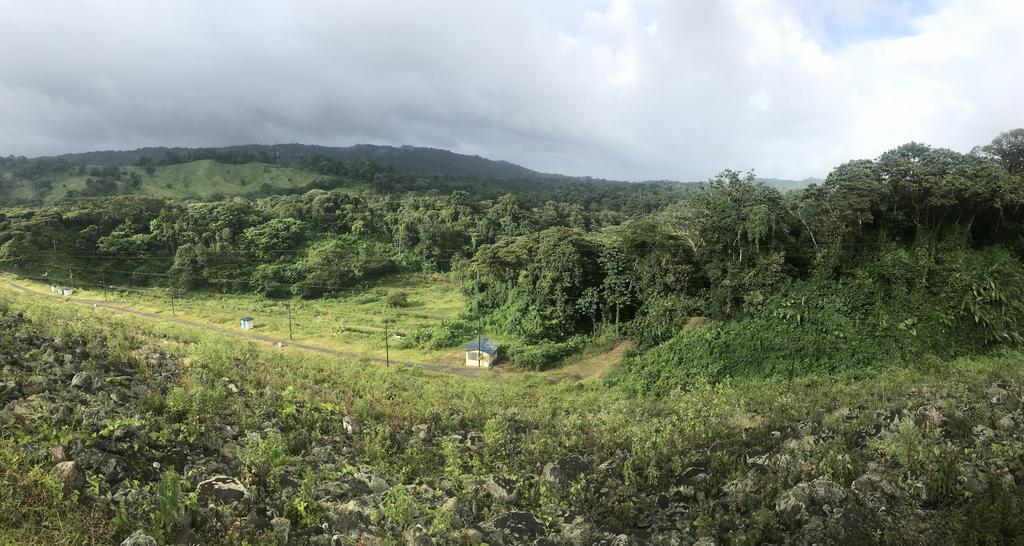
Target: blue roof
487 346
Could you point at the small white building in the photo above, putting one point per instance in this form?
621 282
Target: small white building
248 323
65 291
481 353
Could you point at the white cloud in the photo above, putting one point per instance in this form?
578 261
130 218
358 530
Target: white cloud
628 88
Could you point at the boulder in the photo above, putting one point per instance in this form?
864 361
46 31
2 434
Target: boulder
996 394
112 467
58 454
579 532
8 392
352 424
875 491
221 489
564 472
518 526
743 493
35 385
70 476
502 489
139 538
83 381
417 536
695 476
376 483
282 527
809 500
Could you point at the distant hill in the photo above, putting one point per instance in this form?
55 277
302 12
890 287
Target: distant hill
254 170
193 180
410 159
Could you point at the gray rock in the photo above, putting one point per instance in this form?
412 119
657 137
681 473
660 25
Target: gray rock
36 385
374 482
112 467
810 500
221 489
580 532
282 527
671 538
83 381
417 536
352 424
423 433
975 480
58 454
69 475
8 392
518 526
876 491
470 535
564 472
742 493
139 538
695 476
502 489
982 434
996 394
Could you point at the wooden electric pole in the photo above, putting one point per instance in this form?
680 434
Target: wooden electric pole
387 349
290 321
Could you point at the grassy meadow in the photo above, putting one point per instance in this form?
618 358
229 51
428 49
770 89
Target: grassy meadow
192 180
353 323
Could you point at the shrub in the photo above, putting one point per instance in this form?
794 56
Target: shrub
397 299
263 457
540 356
449 333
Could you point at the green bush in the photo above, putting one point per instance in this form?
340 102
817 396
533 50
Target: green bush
449 333
540 356
397 299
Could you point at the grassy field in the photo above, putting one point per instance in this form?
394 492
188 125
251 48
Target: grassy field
197 179
353 323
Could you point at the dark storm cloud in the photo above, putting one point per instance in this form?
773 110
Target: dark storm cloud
634 90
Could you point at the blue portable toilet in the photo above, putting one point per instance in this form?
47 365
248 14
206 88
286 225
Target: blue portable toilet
247 323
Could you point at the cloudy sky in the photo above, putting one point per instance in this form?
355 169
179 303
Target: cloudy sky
630 89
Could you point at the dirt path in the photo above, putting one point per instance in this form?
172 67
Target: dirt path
272 341
593 367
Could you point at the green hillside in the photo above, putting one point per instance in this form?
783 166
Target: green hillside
194 180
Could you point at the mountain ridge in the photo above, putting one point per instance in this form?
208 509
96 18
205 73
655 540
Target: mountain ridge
418 160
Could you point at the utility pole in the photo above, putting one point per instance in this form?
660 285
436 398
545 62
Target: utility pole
479 322
290 338
387 349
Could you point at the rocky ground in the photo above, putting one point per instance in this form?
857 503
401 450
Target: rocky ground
174 455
